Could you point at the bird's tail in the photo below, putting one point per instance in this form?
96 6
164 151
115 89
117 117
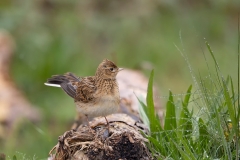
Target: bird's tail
57 80
66 82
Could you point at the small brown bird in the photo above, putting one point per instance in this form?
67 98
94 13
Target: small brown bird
94 95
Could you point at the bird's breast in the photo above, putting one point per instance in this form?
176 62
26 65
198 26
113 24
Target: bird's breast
102 106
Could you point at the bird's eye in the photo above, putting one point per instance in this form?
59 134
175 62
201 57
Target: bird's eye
111 69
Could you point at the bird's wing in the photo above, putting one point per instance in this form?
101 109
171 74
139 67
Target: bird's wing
86 89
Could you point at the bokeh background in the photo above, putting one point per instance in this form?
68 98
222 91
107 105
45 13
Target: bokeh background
57 36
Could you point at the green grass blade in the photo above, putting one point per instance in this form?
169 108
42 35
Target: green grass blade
158 146
170 126
215 61
185 124
144 107
187 97
170 119
232 114
143 111
203 135
229 105
150 103
233 95
184 150
147 112
155 126
211 52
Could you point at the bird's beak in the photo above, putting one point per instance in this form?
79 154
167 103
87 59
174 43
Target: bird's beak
120 69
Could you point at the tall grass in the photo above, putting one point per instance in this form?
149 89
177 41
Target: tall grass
207 124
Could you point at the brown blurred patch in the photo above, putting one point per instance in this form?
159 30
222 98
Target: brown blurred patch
13 104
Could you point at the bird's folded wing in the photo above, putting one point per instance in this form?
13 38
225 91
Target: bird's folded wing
85 90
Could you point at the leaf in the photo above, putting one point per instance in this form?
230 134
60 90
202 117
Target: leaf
143 105
215 61
187 97
147 112
233 94
143 113
150 103
158 146
229 105
170 119
185 122
185 151
203 134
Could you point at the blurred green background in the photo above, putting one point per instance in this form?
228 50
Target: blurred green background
56 36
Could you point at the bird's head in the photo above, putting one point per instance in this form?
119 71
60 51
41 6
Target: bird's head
107 70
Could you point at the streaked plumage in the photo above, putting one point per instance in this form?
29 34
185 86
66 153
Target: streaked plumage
94 95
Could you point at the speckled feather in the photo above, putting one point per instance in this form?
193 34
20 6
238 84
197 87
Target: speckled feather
94 95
